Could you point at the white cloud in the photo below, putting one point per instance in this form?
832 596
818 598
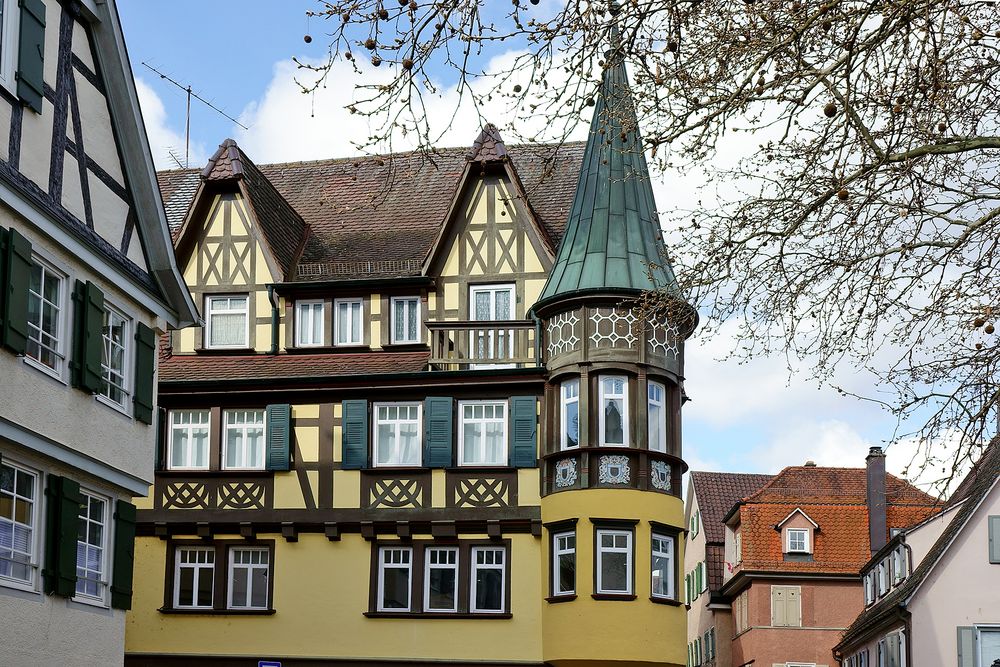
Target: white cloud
163 139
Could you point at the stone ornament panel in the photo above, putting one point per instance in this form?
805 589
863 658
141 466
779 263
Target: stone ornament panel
566 474
481 492
614 328
663 339
614 470
206 494
659 475
396 493
563 333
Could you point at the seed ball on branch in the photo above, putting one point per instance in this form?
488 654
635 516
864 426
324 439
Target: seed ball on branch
517 87
842 194
830 110
307 39
989 328
348 55
383 13
979 346
370 44
407 64
403 2
376 61
413 6
978 322
942 127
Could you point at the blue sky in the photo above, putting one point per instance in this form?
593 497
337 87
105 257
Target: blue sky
751 417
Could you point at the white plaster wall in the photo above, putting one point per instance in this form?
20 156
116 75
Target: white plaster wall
53 408
925 535
963 589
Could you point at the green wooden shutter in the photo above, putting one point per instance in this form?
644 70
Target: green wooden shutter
966 646
279 435
63 502
438 414
994 528
124 555
17 269
32 53
4 236
523 431
89 338
145 367
355 430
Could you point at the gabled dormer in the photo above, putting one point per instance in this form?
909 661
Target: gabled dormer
798 533
239 236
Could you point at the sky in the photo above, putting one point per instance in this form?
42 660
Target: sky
750 417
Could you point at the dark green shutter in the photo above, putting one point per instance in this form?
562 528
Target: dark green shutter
88 344
355 430
437 432
161 440
59 574
523 431
994 528
145 367
17 270
124 555
279 431
32 53
4 236
966 646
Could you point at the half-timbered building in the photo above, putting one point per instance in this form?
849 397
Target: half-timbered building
424 421
88 280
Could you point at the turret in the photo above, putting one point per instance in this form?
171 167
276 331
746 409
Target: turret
611 434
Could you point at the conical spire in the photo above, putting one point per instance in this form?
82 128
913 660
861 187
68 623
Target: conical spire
612 240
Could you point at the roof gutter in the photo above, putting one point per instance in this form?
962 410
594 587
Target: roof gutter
353 283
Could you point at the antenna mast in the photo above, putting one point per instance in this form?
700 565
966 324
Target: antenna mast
187 124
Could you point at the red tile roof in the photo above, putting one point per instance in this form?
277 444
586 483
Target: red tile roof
717 492
835 499
187 368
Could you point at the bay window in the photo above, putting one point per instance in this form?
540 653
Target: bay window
662 566
570 414
614 561
657 417
613 415
564 563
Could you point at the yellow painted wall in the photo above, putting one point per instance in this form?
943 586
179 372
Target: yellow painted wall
321 594
606 630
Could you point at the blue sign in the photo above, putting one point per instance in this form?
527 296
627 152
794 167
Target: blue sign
268 663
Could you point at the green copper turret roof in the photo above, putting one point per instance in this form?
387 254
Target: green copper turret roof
612 240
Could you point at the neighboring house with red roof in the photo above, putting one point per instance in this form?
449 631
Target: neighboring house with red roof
794 549
710 495
931 595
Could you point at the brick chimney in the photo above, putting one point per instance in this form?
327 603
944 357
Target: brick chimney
875 498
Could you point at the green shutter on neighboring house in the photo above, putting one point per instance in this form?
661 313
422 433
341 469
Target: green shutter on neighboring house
88 343
17 276
161 440
438 412
31 56
523 431
145 368
994 528
279 435
4 235
63 502
966 646
124 555
355 430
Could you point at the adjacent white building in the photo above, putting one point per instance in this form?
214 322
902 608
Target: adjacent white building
87 282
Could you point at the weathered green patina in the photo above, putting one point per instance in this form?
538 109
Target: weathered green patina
613 243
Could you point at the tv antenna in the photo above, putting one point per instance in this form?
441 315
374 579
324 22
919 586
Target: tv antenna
187 123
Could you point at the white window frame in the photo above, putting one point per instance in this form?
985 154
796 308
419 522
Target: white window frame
102 581
661 446
868 583
127 351
62 328
420 434
244 428
360 302
602 397
805 540
899 565
232 565
557 552
564 401
428 566
669 554
308 308
34 540
990 628
198 568
496 342
882 577
411 308
475 566
629 564
9 42
504 457
209 299
189 427
738 542
379 602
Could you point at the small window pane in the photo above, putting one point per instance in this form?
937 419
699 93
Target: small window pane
227 321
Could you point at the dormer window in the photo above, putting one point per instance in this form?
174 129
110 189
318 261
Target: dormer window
405 320
798 540
349 328
309 323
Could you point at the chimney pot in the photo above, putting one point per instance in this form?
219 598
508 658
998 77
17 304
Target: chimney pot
810 463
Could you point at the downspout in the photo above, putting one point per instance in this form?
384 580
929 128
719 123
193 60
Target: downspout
274 319
538 339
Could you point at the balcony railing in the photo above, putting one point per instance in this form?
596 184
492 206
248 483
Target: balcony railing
483 344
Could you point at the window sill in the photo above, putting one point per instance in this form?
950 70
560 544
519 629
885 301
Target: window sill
55 374
666 601
217 612
613 596
350 347
432 614
205 472
209 351
117 407
406 347
555 599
